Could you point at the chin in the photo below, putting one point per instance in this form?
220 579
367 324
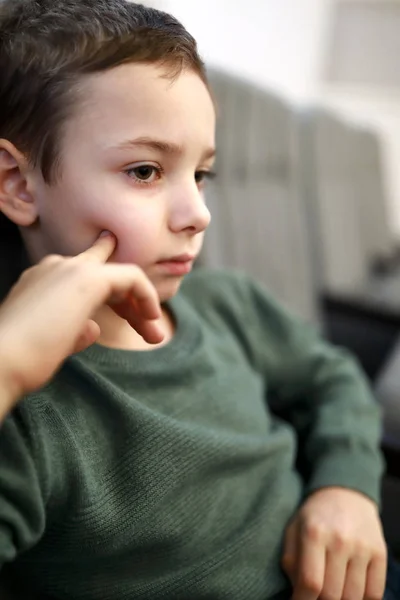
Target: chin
168 289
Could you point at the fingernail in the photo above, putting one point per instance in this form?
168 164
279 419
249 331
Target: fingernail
105 234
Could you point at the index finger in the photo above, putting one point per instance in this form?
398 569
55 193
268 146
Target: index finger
102 249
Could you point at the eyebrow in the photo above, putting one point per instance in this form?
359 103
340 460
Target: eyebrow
161 146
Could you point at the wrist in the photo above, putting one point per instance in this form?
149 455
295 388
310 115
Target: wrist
8 390
344 491
7 401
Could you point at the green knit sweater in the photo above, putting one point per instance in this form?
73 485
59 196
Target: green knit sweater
172 474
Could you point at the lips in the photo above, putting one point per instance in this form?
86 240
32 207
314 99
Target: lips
177 265
182 258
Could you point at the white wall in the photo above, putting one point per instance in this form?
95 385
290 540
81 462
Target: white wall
272 42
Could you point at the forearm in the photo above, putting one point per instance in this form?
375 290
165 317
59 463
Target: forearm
337 421
321 391
342 447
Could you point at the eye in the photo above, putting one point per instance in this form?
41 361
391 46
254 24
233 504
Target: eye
145 174
202 176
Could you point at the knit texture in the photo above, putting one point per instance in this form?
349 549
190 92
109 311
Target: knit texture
173 473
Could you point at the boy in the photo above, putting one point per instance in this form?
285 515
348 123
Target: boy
160 462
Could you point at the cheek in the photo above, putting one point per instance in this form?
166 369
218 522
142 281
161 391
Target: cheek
69 214
137 233
90 209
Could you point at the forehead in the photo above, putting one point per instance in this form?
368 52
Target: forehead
141 100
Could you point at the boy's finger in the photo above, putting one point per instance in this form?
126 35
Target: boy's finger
89 336
102 249
311 571
376 579
335 574
149 308
355 581
150 330
131 289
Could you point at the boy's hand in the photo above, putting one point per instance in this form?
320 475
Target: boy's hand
334 548
47 315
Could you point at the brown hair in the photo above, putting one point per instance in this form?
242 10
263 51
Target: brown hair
46 46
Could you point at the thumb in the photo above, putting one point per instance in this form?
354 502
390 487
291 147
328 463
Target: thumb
89 336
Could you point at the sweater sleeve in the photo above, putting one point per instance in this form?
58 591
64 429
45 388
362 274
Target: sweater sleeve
322 391
22 486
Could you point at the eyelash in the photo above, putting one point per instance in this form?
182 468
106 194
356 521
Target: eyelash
206 175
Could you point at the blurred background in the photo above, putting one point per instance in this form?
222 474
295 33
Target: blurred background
307 197
342 54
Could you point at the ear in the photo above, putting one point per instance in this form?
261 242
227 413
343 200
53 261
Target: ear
16 201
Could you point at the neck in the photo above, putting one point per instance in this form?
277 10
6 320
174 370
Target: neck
118 334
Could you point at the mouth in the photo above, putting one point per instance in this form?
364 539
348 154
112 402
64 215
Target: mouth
177 265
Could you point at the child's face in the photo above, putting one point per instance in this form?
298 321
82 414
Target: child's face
132 163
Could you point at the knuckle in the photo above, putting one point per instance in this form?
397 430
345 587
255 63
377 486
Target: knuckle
27 273
86 268
341 541
311 584
381 554
139 274
136 270
85 273
315 530
51 259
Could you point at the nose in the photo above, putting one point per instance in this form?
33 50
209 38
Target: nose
188 211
